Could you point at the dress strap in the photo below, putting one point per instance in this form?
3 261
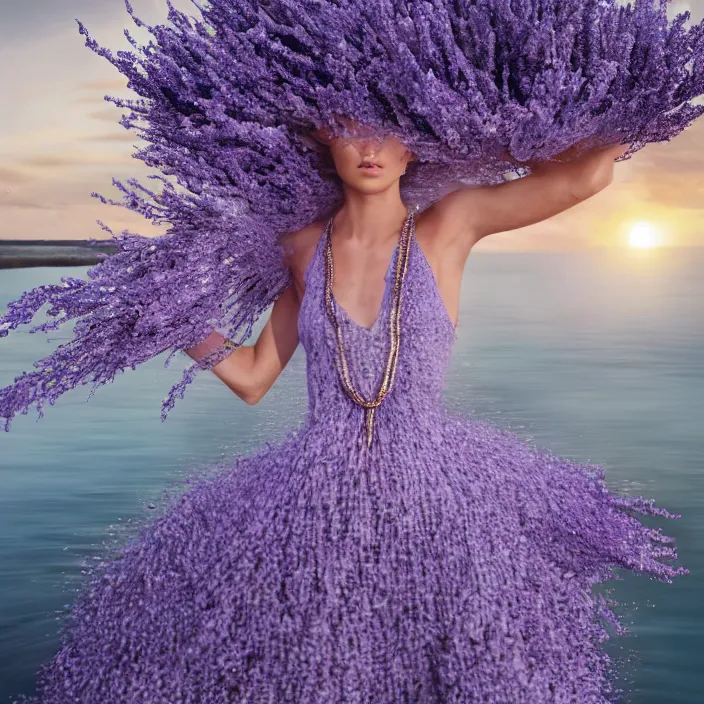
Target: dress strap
317 255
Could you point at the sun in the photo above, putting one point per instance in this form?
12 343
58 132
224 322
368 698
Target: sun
643 236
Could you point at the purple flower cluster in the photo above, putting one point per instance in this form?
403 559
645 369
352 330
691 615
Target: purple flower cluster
229 100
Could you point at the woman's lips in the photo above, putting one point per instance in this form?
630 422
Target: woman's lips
371 168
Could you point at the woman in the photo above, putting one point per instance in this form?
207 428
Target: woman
445 232
387 551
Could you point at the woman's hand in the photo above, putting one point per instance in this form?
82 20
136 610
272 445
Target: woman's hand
583 152
587 150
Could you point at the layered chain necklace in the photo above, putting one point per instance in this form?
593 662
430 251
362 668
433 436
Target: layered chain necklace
370 405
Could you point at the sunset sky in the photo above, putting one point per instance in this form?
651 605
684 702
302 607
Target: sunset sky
60 141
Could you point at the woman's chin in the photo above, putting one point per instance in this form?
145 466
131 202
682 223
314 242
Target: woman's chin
371 185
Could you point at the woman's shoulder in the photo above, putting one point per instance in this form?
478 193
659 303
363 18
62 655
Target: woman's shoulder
299 247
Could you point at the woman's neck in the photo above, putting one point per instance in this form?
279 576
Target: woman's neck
370 218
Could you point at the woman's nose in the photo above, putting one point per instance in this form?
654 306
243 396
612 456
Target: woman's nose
368 146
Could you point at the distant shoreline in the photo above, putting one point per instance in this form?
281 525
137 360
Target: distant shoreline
17 254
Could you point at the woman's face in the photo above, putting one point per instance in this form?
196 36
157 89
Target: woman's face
365 161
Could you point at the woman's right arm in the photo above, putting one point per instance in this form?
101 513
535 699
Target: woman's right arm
251 370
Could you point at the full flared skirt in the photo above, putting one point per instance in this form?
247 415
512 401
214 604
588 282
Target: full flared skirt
455 568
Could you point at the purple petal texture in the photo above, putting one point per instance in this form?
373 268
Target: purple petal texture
227 101
449 563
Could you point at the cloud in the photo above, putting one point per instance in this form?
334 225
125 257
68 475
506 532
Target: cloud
672 173
69 157
49 161
63 208
108 115
21 203
13 176
101 85
126 136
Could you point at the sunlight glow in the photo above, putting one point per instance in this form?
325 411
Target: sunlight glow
643 236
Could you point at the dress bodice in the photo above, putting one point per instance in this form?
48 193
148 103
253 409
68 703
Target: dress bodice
426 340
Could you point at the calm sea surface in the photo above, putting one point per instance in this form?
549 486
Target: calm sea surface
599 356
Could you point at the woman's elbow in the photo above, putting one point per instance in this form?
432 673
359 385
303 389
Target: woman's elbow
252 394
240 377
251 399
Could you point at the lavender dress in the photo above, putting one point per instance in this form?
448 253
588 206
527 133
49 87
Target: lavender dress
449 562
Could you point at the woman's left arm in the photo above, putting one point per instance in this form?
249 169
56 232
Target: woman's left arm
466 215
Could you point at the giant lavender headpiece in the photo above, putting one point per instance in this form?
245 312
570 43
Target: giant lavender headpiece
228 102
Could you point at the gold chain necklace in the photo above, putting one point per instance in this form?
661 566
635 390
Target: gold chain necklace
370 405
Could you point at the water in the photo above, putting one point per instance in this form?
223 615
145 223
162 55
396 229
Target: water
599 356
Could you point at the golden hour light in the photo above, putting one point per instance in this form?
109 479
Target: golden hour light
643 235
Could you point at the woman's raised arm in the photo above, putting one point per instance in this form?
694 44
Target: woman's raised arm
468 214
251 370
